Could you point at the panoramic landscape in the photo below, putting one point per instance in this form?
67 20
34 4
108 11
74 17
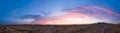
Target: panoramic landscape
59 16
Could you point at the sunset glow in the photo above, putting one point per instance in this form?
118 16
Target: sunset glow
59 11
82 15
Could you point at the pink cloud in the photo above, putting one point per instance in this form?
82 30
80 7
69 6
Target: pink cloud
79 15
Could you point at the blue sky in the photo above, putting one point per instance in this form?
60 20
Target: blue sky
13 10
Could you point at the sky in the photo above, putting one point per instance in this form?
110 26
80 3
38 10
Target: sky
59 11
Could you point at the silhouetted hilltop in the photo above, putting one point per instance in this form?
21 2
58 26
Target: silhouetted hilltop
102 23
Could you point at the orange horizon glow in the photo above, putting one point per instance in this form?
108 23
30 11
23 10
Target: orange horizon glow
69 18
80 16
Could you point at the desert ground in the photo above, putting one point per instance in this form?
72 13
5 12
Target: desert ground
86 28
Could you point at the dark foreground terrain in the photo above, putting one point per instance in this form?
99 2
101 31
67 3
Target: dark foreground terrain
91 28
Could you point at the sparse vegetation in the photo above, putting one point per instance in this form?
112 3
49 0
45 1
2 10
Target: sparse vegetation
92 28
